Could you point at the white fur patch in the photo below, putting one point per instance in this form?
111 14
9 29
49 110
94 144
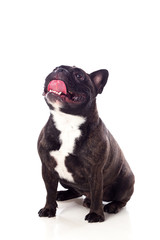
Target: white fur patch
69 126
56 104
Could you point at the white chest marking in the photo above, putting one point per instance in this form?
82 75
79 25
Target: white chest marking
68 125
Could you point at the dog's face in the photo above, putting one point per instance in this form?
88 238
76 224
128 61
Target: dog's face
72 90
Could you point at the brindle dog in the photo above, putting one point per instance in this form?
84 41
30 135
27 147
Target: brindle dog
77 150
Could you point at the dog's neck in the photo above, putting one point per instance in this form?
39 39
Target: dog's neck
63 120
89 117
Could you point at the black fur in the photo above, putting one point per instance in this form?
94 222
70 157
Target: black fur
98 166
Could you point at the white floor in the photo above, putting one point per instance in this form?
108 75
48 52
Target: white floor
19 218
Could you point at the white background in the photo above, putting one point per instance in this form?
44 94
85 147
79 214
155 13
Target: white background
35 37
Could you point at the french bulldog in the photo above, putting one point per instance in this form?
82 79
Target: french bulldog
77 150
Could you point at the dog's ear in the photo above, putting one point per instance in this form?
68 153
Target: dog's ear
99 78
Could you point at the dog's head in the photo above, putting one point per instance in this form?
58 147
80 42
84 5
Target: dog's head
72 90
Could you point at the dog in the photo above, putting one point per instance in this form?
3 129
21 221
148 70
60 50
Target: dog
77 150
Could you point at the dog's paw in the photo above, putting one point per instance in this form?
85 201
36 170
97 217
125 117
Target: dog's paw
87 202
94 217
47 212
61 196
113 207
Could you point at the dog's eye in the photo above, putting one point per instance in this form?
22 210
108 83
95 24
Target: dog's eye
79 76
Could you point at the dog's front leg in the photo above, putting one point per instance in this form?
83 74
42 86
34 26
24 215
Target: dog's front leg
51 183
96 194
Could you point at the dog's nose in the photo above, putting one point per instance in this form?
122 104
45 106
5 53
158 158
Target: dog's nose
60 70
59 73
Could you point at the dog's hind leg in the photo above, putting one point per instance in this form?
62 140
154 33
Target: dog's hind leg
122 192
67 194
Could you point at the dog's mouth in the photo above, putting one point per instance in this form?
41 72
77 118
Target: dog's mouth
59 90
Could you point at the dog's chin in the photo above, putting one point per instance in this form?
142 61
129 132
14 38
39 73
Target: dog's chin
61 100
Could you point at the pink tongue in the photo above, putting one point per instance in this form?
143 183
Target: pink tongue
58 86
